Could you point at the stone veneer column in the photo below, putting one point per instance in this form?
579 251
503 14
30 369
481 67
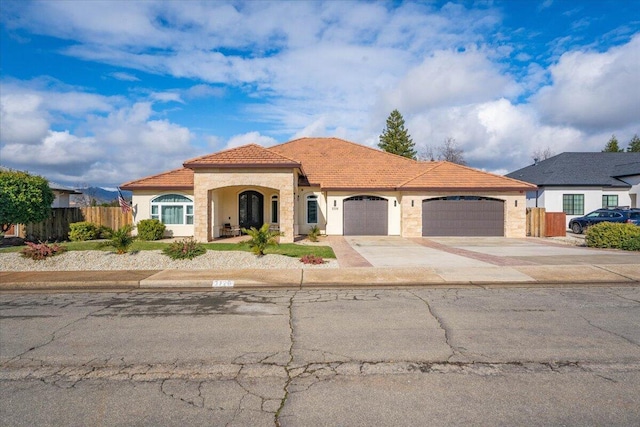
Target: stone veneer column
286 214
200 209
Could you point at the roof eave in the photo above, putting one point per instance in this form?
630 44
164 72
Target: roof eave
155 187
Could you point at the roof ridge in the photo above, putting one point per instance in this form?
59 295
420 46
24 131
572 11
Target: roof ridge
348 142
488 173
220 152
421 173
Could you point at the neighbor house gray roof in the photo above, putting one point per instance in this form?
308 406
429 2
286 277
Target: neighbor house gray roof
581 169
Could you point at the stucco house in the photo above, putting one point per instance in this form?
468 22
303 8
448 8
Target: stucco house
341 187
578 183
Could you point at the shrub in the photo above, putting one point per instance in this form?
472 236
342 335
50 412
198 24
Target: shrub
104 232
314 233
121 239
81 231
38 251
311 259
261 238
184 249
150 229
614 235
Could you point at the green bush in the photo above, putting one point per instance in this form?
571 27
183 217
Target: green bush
261 238
81 231
184 249
121 239
104 232
614 235
313 233
150 229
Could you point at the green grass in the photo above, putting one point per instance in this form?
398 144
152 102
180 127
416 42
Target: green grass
287 249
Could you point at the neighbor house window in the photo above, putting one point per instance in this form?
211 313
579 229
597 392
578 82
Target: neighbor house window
274 209
609 201
573 204
172 209
312 209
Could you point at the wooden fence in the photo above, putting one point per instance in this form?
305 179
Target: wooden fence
546 224
56 228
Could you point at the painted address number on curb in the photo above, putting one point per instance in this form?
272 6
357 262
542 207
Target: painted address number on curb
222 284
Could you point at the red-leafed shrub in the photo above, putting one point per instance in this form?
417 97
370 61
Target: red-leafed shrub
311 259
38 251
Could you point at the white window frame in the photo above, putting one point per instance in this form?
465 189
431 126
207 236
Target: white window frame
187 208
312 199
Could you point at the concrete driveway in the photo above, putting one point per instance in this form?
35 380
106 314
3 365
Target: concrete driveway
474 252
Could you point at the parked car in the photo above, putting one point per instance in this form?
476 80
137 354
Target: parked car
631 216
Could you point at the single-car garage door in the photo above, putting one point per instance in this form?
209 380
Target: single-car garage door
366 216
462 216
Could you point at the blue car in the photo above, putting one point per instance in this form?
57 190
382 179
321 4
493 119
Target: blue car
631 216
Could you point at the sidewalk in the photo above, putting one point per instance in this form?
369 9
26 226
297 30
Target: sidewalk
451 266
530 275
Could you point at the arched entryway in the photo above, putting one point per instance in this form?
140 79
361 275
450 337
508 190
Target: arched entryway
251 209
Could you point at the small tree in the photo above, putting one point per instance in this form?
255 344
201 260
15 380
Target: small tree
24 198
612 146
634 145
261 238
542 154
450 152
395 138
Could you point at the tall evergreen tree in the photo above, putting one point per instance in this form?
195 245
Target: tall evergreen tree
395 138
612 146
634 145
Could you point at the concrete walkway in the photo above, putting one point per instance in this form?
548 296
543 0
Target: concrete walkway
372 261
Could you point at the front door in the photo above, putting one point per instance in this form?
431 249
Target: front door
251 209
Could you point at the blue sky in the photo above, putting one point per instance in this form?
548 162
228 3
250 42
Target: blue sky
102 92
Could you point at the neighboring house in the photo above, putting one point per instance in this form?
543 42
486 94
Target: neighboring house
578 183
341 187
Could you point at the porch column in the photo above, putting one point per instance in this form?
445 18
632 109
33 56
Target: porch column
286 214
201 220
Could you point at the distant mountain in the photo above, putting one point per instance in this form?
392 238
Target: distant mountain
100 195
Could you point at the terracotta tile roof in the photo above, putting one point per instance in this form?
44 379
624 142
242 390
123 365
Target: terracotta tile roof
336 164
446 175
251 155
177 179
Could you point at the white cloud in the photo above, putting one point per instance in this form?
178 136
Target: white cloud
593 90
127 77
22 121
451 78
250 138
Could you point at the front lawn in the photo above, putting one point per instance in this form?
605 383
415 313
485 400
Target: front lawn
288 249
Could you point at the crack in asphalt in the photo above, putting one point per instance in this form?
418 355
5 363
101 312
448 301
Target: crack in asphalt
287 367
447 333
630 341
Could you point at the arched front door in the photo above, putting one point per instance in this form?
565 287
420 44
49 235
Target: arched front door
251 209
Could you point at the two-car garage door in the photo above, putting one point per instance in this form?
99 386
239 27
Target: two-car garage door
462 216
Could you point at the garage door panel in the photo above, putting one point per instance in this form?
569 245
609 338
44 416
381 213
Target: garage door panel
365 215
463 218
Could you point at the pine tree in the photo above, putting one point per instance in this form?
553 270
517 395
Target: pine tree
634 145
395 138
612 146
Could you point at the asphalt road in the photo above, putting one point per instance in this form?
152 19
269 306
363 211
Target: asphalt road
472 356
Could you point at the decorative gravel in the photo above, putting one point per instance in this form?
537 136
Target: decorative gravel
151 260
